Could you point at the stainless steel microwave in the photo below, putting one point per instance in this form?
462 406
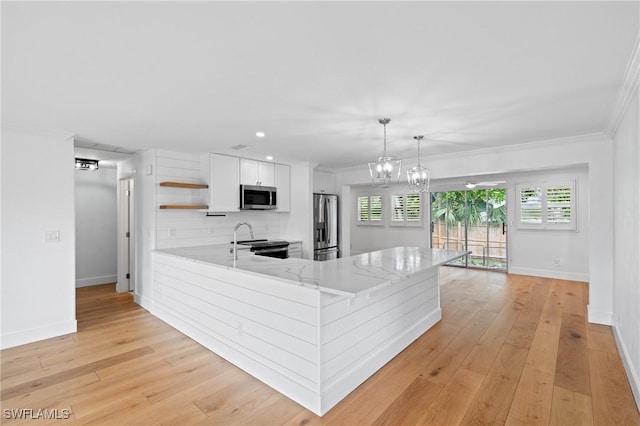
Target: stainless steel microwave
254 197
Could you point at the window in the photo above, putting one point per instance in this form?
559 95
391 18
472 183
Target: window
406 209
370 209
546 206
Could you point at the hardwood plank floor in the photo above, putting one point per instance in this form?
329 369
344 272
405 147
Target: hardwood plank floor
509 350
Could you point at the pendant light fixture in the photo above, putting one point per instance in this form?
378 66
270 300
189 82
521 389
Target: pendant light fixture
418 176
386 170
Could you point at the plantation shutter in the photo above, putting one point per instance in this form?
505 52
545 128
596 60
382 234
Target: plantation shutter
397 208
559 209
363 209
413 207
375 208
530 205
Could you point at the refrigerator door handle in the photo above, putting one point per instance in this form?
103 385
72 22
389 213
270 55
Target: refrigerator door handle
327 224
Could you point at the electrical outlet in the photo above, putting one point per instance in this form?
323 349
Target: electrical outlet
556 262
172 232
212 230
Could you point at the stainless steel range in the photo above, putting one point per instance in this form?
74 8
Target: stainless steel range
269 248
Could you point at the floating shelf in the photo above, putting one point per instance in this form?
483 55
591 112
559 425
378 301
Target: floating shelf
184 185
184 206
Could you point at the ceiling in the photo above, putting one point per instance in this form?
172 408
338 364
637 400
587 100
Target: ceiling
315 76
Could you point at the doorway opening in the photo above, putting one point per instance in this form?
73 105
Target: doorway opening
473 220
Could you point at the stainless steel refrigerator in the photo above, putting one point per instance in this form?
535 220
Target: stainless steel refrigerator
325 227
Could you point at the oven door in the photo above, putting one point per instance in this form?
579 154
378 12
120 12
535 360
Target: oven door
257 197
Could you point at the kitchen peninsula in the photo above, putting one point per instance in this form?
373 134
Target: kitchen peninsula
314 331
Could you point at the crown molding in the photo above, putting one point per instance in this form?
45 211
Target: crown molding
591 137
627 91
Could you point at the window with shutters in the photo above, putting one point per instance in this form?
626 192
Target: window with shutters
406 209
370 209
546 206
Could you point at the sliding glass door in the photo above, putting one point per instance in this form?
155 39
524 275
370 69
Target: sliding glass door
471 220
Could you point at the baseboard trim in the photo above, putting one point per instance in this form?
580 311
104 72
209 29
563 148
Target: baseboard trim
632 375
545 273
599 317
31 335
105 279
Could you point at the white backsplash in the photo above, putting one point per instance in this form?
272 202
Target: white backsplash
187 228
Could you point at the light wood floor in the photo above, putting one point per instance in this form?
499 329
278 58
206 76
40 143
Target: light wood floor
509 350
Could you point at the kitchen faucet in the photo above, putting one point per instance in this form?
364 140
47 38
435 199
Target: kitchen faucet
235 237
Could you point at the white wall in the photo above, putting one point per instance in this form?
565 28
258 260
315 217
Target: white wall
626 216
562 254
593 151
95 207
38 277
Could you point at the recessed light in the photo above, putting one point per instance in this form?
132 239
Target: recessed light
260 134
269 157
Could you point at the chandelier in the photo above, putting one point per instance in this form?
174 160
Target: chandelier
418 176
386 170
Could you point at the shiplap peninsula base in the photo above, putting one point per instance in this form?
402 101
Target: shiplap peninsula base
313 331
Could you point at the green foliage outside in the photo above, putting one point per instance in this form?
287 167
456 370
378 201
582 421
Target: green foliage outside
484 206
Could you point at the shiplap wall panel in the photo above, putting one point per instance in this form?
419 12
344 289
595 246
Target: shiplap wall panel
257 331
187 228
257 291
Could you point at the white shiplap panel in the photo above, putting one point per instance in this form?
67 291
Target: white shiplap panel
178 155
288 364
353 356
232 307
267 290
172 173
336 307
259 324
357 329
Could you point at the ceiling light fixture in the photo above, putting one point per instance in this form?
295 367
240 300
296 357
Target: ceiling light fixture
269 157
470 185
418 176
86 164
260 134
386 169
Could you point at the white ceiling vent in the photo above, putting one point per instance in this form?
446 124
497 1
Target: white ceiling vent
239 147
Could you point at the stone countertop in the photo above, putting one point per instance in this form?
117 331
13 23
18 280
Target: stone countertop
351 276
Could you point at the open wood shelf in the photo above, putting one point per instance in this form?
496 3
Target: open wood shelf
184 206
184 185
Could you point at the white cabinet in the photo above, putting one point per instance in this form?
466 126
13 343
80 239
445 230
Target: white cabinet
324 182
224 184
295 250
283 187
253 172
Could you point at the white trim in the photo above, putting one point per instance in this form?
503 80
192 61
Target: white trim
145 302
23 337
599 317
545 273
105 279
547 143
632 375
627 91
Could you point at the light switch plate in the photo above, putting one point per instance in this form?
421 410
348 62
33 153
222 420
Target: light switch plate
51 236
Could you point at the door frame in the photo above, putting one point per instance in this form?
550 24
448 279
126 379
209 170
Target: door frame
126 244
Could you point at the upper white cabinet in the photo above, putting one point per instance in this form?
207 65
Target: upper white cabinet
224 183
283 186
253 172
324 182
